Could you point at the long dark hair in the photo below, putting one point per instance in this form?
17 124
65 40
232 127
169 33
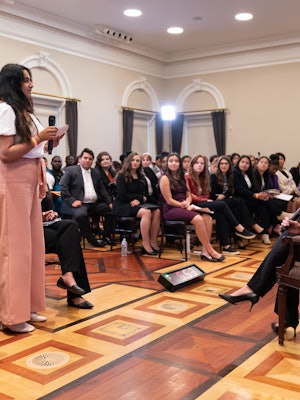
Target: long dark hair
229 174
249 171
11 80
179 179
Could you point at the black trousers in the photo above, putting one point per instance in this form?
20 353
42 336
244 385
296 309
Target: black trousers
95 209
225 220
265 277
63 239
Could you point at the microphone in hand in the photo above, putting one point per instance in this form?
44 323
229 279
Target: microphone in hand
51 122
294 217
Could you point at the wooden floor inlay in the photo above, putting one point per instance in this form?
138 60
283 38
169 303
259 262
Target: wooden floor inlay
143 342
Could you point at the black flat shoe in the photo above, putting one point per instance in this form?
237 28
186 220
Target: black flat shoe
205 258
149 253
275 326
252 297
84 305
73 289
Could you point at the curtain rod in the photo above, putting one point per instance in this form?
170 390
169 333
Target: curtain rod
203 111
139 109
185 112
58 97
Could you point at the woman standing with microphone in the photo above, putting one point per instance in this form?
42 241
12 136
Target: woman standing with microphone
22 184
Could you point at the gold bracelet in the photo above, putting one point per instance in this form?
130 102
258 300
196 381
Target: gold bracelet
34 142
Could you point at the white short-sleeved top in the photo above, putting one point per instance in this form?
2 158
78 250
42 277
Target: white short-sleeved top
8 128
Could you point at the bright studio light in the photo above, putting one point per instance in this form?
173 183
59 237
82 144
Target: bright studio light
168 113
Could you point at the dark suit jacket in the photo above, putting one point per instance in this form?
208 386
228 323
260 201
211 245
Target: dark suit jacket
241 188
72 187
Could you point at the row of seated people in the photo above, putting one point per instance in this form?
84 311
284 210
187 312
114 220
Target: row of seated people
173 186
85 192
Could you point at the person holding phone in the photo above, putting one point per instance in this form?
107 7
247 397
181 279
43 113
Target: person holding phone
22 184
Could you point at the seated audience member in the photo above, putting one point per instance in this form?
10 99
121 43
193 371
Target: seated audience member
116 165
57 173
222 188
157 166
253 160
69 160
147 160
295 171
198 183
257 202
49 177
265 277
287 184
163 164
213 161
104 167
62 238
177 205
234 158
151 179
186 160
262 179
84 194
132 193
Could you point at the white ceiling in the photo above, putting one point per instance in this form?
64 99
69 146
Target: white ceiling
209 25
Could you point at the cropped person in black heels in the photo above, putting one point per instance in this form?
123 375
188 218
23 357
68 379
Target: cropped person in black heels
62 238
265 277
133 200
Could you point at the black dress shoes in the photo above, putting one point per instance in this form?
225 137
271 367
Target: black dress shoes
99 243
84 305
73 289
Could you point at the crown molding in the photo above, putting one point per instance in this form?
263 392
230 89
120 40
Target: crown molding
88 45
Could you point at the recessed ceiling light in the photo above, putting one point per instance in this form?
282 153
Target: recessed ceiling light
244 16
132 13
175 30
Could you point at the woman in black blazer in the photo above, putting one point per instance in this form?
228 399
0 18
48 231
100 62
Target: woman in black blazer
257 201
132 194
104 166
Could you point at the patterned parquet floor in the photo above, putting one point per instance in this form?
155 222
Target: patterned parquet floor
142 342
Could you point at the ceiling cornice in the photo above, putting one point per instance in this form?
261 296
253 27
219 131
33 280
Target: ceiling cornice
92 46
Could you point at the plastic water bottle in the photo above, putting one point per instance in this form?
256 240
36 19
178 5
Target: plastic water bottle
124 247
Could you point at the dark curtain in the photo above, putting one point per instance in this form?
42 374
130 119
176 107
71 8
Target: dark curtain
218 120
72 121
159 130
128 116
176 133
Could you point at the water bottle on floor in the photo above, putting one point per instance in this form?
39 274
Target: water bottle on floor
124 249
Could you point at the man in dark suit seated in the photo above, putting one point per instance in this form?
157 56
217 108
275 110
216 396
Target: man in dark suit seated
62 238
83 195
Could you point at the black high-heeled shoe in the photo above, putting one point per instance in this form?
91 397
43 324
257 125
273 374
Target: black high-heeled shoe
275 326
149 253
252 297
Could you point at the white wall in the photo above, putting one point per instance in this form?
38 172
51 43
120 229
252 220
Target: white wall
263 102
